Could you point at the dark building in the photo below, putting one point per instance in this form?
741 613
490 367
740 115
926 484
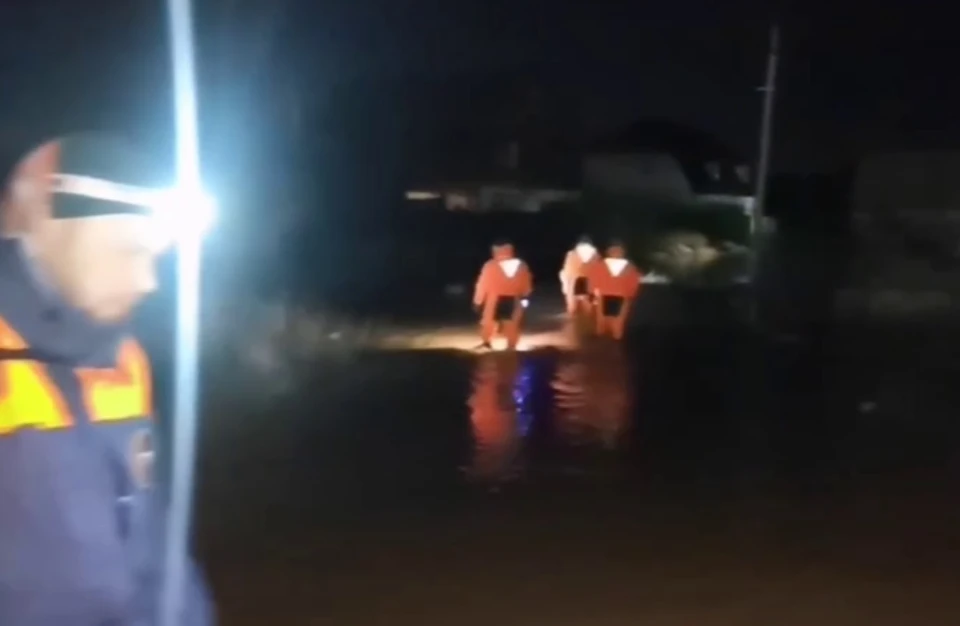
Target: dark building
667 157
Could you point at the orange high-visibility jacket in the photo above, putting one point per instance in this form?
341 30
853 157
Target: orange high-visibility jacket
617 277
578 264
502 276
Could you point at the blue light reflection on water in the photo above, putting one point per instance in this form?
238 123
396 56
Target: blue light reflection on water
523 396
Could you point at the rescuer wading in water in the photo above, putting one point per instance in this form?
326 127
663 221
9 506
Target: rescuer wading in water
578 265
616 283
504 284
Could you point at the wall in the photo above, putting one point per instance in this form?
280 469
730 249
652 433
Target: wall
906 223
645 174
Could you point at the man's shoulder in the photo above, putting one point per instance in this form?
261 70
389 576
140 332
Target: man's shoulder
130 348
11 337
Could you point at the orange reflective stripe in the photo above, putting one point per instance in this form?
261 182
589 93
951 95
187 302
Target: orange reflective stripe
119 394
28 398
9 339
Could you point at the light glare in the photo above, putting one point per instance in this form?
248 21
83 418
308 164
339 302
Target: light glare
182 212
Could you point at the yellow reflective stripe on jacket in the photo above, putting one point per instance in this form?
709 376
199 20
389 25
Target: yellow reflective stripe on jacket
28 398
122 393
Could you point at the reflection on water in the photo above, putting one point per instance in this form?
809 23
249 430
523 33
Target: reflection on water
757 497
499 416
585 395
593 397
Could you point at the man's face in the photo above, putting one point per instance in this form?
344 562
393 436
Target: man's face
103 265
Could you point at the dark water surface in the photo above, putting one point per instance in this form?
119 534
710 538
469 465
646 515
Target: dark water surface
694 476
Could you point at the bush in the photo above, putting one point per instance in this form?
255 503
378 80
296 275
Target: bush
690 258
702 244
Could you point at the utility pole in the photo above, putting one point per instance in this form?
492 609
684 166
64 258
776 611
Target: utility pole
766 128
763 162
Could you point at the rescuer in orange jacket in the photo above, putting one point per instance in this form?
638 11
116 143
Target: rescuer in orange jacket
616 283
81 514
501 293
579 263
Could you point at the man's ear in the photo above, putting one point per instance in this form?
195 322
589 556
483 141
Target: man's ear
27 197
24 191
16 208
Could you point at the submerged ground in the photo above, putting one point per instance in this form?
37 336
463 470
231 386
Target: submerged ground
699 474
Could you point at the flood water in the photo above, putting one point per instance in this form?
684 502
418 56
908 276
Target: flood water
695 475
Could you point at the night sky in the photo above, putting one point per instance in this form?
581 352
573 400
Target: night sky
850 81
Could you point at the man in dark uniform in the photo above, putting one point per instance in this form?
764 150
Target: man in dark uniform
81 521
